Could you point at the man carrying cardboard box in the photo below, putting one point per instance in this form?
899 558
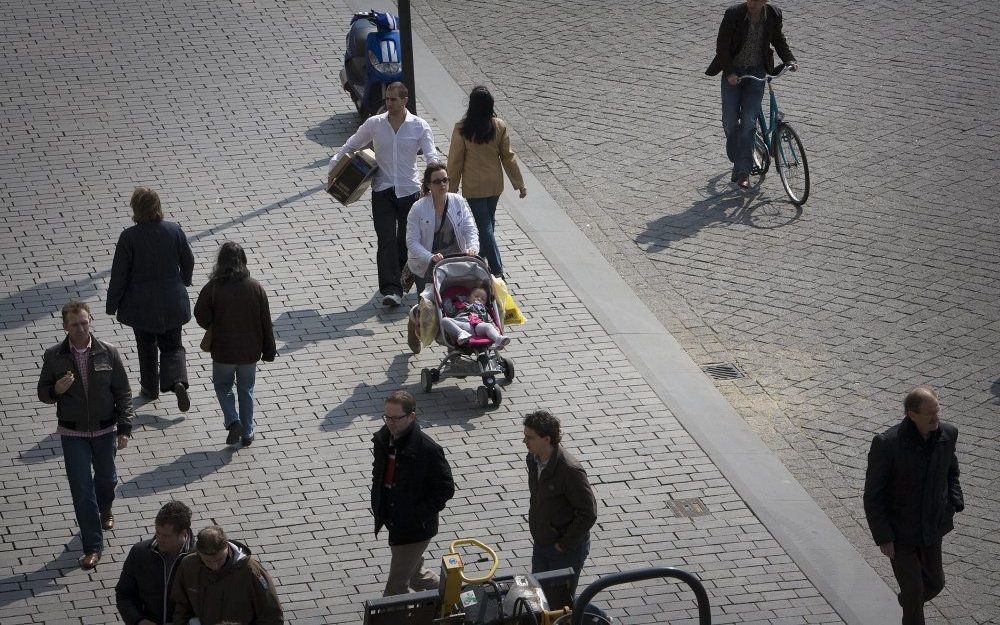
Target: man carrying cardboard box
396 136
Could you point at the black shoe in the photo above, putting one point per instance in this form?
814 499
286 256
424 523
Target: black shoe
247 440
734 177
391 300
235 433
183 400
148 394
744 181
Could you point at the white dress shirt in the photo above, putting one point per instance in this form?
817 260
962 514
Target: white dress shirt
395 151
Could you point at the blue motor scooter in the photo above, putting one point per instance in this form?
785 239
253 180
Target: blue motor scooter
372 61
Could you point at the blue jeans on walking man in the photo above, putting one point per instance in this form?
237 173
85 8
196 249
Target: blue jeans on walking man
740 107
223 376
484 211
93 492
548 558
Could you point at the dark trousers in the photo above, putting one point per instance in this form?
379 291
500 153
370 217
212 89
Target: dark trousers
90 469
389 215
484 211
740 107
161 357
547 558
920 576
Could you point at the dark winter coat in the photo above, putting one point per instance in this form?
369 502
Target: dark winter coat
106 401
240 318
420 490
143 589
152 266
912 490
563 507
733 31
240 592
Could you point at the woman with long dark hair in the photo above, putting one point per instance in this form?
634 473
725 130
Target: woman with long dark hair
479 147
233 307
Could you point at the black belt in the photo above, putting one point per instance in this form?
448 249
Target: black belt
72 425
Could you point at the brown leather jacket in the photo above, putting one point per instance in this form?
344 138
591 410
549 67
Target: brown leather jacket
733 31
238 313
563 507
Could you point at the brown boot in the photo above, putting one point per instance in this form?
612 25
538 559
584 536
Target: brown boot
90 560
108 520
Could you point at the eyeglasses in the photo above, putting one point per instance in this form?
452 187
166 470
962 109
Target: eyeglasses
394 419
440 181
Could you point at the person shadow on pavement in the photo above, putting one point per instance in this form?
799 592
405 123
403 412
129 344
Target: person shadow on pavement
723 204
189 468
298 329
50 446
331 133
45 579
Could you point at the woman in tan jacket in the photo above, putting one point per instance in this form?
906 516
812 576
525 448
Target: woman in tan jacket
479 146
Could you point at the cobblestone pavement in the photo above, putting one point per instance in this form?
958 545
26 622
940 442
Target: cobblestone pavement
231 109
885 279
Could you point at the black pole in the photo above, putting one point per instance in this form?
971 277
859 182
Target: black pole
406 40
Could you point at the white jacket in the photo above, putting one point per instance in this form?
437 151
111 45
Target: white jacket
420 226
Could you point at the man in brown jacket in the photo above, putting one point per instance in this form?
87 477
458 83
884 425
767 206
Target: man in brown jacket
221 582
563 507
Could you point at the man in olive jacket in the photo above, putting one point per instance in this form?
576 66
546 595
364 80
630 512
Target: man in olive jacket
912 493
563 507
86 380
411 483
748 32
221 582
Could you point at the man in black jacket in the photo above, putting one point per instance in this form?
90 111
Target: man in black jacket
563 507
746 35
86 380
411 483
143 590
912 493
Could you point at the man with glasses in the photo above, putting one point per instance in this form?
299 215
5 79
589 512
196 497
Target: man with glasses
411 483
396 137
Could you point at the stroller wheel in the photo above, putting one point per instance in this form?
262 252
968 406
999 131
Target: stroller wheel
435 375
508 370
495 396
482 397
426 380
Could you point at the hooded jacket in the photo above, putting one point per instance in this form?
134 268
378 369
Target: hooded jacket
143 589
241 591
421 487
912 490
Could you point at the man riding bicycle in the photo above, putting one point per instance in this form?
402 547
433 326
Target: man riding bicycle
746 36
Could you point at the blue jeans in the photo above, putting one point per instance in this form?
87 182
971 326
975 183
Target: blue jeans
222 379
484 210
546 558
740 107
92 492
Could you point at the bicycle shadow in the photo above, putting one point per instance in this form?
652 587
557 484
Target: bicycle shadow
995 389
42 580
723 204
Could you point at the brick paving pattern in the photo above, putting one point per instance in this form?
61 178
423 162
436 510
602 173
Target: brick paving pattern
886 278
231 110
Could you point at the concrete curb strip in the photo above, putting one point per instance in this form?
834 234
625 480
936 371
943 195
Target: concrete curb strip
829 560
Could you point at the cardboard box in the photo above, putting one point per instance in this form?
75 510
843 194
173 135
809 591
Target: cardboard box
351 176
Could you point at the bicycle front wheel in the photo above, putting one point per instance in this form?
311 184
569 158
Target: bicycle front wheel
790 160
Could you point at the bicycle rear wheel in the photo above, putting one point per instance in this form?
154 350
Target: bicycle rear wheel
761 156
790 160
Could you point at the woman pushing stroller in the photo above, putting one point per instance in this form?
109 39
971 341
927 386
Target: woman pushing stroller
439 224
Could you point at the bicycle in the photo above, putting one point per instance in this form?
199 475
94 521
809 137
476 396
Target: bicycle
775 138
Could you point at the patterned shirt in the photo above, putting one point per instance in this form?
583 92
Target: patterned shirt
82 359
752 52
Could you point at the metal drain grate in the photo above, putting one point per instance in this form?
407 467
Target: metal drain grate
724 371
687 507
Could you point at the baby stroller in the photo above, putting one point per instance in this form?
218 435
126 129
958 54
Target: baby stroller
453 277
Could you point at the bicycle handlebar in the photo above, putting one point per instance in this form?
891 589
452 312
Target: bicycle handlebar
769 77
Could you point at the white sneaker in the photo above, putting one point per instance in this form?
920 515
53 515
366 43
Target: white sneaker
392 300
504 342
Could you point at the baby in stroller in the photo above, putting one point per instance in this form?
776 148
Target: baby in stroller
468 317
